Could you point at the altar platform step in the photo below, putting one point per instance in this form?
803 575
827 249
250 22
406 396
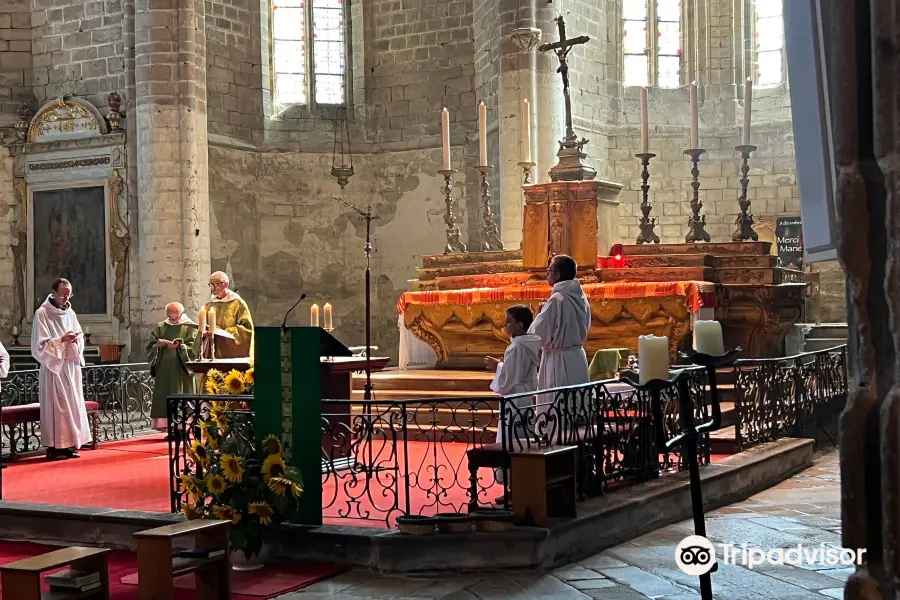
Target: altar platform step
640 261
424 383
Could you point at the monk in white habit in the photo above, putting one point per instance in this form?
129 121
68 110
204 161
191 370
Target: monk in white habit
4 362
57 343
562 324
232 316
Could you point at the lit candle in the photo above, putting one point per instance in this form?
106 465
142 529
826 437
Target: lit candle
748 97
708 338
695 141
445 133
526 131
15 330
645 129
212 319
482 134
653 358
329 322
202 319
86 330
314 315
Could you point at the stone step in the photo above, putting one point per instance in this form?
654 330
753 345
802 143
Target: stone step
428 381
465 282
714 249
380 394
828 330
700 260
724 441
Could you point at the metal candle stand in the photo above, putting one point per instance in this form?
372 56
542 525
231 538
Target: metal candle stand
696 222
744 223
647 236
490 236
453 242
526 171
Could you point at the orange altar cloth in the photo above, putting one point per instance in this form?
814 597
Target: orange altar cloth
699 294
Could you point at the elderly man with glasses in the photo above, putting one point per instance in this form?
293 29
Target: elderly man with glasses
232 316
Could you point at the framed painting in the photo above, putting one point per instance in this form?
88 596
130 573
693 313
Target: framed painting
69 239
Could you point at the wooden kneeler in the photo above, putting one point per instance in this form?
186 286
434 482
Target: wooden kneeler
158 567
21 580
543 484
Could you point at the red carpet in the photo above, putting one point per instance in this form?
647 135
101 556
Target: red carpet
269 582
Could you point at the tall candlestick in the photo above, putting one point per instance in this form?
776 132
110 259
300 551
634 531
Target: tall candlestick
445 136
695 138
212 320
482 134
645 129
329 322
653 358
748 98
526 131
314 315
708 338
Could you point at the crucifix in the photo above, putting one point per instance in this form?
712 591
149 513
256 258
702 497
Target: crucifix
571 166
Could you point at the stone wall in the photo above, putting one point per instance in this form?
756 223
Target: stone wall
15 58
8 217
276 223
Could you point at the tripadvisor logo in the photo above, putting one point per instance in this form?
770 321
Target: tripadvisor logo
696 555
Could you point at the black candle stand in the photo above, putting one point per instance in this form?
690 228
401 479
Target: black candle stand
696 222
647 223
744 223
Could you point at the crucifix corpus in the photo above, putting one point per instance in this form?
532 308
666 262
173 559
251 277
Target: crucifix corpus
571 166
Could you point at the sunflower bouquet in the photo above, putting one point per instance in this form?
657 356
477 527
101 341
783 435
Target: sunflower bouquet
232 383
251 487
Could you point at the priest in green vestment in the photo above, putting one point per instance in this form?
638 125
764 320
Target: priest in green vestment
168 354
232 316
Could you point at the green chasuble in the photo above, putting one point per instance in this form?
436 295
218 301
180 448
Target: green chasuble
169 366
233 316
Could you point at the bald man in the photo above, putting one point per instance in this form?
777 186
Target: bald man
232 314
168 354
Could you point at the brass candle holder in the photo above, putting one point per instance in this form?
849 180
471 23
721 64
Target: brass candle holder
647 223
526 171
744 223
454 244
490 236
696 222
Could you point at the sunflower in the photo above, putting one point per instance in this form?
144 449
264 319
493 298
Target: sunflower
215 375
249 376
190 511
279 485
234 382
227 513
190 484
273 466
199 452
231 465
263 511
211 387
272 445
296 489
215 484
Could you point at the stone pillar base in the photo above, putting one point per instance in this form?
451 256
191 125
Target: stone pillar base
569 217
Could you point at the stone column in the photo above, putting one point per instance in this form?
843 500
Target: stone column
549 111
517 78
172 173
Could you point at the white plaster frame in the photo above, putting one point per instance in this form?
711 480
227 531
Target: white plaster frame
89 181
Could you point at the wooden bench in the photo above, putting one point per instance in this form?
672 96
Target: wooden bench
158 567
21 580
22 414
543 484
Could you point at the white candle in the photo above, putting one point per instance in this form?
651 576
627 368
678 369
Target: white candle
645 129
314 315
329 322
695 141
748 98
86 330
202 319
653 358
445 134
15 330
212 319
708 338
526 131
482 134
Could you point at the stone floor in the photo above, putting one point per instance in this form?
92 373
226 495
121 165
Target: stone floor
803 510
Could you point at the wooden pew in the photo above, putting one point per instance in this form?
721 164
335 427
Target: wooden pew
543 484
158 567
21 580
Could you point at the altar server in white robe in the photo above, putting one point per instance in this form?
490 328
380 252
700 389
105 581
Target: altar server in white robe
57 343
562 324
4 362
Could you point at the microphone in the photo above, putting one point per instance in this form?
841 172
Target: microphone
288 313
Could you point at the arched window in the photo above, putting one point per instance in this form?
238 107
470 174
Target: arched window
768 34
309 52
651 40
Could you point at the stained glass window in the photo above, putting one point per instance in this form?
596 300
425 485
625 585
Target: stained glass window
769 42
295 75
651 41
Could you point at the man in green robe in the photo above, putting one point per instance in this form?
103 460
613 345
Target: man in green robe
168 354
232 317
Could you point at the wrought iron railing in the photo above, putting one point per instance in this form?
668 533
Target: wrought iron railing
123 394
797 396
184 414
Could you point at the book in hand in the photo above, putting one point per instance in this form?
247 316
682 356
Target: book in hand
71 579
201 553
83 588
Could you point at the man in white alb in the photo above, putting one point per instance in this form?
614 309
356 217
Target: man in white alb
57 343
4 362
562 324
